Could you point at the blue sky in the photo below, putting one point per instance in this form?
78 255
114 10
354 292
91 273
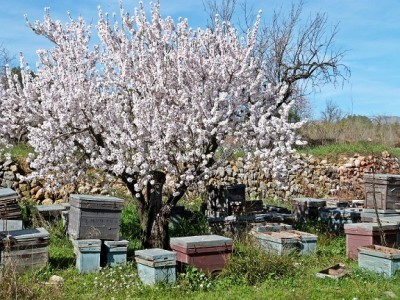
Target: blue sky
369 31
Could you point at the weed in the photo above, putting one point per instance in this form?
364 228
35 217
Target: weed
250 265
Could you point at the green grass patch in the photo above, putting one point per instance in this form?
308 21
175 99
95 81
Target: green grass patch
251 274
337 150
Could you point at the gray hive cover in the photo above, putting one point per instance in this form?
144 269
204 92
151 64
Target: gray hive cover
201 241
156 255
96 202
7 192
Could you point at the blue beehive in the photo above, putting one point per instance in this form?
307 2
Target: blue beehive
115 252
379 259
287 241
87 255
156 265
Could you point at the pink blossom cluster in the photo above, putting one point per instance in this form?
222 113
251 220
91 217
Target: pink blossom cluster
153 95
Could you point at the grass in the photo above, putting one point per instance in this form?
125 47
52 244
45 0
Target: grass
337 150
251 274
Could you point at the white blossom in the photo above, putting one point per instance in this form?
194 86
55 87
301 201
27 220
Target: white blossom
151 96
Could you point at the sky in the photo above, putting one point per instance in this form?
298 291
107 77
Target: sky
369 32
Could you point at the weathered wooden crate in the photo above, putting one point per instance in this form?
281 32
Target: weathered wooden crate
334 272
307 208
10 225
364 234
208 253
226 200
287 241
379 259
114 252
94 217
9 207
156 265
25 249
385 188
87 254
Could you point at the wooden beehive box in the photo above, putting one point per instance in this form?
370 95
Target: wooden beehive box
156 265
379 259
307 208
9 207
208 253
87 254
287 241
94 217
364 234
25 249
114 252
385 188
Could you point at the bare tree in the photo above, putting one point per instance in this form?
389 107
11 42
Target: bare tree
5 58
296 55
332 112
225 9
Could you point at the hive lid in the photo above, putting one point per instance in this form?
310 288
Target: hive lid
389 178
28 234
7 192
96 202
362 227
112 244
89 243
286 235
156 255
201 241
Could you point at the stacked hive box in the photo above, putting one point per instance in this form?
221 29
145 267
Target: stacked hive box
208 253
25 249
307 208
382 191
93 220
9 207
94 217
364 234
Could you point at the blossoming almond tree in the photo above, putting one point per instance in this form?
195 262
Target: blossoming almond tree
151 105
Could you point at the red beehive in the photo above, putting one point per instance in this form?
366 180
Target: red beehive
364 234
208 253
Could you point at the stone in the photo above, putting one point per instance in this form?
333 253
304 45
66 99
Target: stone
9 175
40 194
47 201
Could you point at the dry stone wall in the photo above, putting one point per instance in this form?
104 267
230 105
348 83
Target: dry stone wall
308 176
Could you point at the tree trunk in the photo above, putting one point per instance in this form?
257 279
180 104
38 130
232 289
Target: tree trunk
152 212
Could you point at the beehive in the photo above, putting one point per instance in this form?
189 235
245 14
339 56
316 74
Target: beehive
379 259
209 253
287 241
94 217
156 265
9 207
115 252
25 249
87 254
385 188
364 234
